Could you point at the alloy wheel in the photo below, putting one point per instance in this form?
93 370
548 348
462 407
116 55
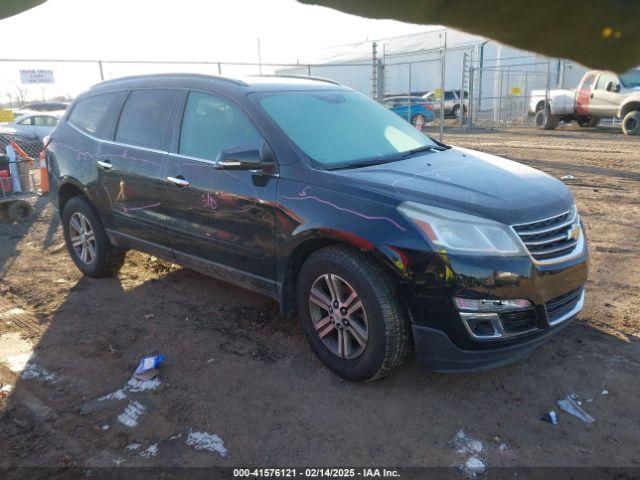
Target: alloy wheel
338 316
83 239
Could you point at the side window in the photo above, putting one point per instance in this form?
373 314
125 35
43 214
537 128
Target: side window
88 113
26 121
144 118
449 96
45 121
211 123
604 79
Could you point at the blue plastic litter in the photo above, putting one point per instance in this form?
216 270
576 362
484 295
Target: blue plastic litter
148 365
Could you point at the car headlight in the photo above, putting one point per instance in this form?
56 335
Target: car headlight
458 232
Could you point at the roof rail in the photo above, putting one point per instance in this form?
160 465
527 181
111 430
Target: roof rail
174 75
302 77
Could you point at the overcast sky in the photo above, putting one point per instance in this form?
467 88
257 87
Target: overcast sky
186 29
214 30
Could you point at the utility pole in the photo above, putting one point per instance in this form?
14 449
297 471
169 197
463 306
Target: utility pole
259 58
374 71
443 66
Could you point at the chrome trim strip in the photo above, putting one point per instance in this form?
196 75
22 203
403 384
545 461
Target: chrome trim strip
547 251
538 231
578 250
499 332
110 142
571 313
536 243
573 209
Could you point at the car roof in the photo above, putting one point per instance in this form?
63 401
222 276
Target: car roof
56 114
247 84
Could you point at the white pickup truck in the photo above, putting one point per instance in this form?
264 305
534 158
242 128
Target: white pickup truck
599 94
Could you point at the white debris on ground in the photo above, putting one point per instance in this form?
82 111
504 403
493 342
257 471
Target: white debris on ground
105 427
133 446
131 414
118 461
571 406
152 451
471 448
19 357
605 392
206 441
6 389
133 385
503 448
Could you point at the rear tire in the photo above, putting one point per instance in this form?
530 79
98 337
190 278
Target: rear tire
20 211
87 241
588 122
631 123
545 120
380 320
419 118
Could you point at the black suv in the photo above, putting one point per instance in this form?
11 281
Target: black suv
377 237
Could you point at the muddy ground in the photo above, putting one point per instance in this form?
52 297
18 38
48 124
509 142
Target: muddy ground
238 370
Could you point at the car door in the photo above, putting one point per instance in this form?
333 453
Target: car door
130 167
583 97
605 103
221 222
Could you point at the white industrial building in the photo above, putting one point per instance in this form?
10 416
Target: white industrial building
413 64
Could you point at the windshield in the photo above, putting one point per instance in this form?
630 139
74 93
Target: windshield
336 128
631 78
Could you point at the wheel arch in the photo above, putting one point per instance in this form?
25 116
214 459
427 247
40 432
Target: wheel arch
388 258
66 191
629 106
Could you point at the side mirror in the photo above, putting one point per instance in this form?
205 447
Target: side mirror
609 86
616 87
241 158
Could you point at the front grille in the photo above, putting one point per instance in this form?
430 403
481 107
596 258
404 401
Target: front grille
559 306
519 321
552 237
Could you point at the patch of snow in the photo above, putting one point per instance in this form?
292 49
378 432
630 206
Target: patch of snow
133 446
105 427
131 414
473 466
503 447
464 444
117 395
6 388
33 371
135 385
118 461
206 441
152 451
17 363
605 392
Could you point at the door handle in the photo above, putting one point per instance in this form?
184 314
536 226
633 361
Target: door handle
179 181
105 164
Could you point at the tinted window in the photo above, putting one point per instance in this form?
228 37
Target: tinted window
88 113
212 123
449 96
26 121
144 118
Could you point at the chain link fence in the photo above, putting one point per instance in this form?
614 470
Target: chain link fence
450 87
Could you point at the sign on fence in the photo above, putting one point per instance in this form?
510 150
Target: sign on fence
36 76
6 115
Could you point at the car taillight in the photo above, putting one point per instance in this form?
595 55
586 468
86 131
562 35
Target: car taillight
428 106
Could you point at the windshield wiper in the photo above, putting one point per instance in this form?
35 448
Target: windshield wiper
424 148
362 163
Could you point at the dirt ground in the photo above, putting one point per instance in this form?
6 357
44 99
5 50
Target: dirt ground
238 370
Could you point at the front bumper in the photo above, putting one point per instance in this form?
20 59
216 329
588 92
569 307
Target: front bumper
436 351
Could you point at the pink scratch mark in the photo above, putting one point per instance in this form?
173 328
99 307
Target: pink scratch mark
209 202
303 196
140 208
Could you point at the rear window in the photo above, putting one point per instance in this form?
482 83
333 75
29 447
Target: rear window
144 118
88 113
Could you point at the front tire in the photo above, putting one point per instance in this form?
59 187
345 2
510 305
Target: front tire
87 242
350 314
631 123
545 120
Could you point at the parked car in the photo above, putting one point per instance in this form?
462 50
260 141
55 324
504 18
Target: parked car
599 95
374 235
32 125
451 102
413 109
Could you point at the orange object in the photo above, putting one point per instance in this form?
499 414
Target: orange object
44 175
19 151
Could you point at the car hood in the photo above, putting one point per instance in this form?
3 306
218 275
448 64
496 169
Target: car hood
467 181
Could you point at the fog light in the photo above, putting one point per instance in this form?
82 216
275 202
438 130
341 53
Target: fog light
481 316
484 305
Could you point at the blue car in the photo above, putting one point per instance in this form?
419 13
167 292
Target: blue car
415 110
